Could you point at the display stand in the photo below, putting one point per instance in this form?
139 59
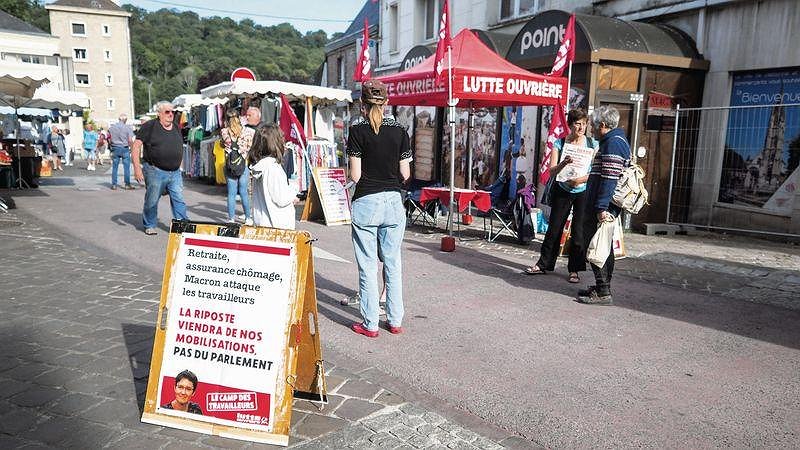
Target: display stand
328 199
238 308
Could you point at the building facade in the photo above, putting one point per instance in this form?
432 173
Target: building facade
96 35
726 58
23 45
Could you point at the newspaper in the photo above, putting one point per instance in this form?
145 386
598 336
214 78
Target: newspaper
581 162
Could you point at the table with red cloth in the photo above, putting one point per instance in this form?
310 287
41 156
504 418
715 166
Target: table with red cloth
463 197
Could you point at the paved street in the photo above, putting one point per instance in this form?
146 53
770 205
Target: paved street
701 349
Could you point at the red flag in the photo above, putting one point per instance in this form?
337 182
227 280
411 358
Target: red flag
290 125
444 42
558 129
566 53
363 70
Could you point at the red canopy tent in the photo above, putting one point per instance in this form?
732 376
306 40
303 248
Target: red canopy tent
481 78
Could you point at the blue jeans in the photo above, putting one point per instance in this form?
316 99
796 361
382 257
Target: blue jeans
89 154
120 154
238 185
156 181
379 218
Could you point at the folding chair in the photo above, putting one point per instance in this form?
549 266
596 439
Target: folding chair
499 220
418 214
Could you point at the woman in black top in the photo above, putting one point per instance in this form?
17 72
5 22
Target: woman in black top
185 387
380 158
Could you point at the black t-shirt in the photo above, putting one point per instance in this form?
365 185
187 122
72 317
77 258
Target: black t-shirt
162 148
380 155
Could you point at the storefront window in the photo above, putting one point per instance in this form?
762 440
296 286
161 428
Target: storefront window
618 78
762 143
510 9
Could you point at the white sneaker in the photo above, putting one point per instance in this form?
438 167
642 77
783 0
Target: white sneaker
241 217
249 222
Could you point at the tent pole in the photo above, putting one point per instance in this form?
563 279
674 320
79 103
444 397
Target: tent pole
569 85
470 128
452 114
21 183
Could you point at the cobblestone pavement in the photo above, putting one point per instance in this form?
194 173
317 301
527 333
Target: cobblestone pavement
75 346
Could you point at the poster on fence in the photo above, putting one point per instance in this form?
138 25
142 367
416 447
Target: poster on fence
762 143
229 302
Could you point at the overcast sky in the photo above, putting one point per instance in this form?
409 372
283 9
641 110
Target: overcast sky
337 13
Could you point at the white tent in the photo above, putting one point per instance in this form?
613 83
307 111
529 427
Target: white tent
52 98
17 85
294 91
188 101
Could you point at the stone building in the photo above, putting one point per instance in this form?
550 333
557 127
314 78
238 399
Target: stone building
96 35
23 45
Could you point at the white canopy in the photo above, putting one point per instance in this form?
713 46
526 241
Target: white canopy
293 91
17 84
35 112
52 98
186 101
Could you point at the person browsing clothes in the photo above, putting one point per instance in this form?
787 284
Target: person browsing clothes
380 157
273 197
237 138
565 196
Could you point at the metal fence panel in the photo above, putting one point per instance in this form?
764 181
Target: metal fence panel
736 168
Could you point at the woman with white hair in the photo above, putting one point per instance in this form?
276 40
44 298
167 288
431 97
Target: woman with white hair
614 155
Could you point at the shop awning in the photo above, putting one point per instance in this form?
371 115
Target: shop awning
481 78
293 91
26 112
599 38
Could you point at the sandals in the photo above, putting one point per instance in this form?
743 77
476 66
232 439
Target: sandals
534 270
574 278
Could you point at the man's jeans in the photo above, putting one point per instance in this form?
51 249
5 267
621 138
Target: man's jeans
379 219
238 185
120 154
156 181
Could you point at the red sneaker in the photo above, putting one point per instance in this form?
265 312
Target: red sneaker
360 329
394 330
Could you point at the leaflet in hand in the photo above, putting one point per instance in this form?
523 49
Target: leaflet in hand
581 162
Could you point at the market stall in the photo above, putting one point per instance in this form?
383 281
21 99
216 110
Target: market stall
319 147
480 78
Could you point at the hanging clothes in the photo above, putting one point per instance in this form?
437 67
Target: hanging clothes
323 123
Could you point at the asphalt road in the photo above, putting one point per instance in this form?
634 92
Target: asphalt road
663 367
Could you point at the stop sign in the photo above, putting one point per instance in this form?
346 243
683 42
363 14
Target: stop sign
243 73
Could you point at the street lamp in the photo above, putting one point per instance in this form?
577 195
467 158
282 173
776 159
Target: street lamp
149 86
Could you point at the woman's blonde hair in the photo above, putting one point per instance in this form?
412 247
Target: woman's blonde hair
375 116
233 123
268 141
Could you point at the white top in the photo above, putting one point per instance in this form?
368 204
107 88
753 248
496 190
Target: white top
273 197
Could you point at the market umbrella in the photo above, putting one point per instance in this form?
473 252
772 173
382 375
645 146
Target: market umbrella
17 87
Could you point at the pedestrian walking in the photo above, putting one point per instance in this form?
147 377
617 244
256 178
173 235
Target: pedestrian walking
122 138
614 155
273 197
160 146
237 141
565 196
90 138
58 148
380 157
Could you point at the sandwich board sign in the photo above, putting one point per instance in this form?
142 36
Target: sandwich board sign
328 199
237 336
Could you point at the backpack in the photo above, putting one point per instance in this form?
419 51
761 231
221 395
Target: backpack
630 193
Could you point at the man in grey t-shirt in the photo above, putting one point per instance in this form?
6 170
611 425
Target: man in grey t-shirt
122 138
